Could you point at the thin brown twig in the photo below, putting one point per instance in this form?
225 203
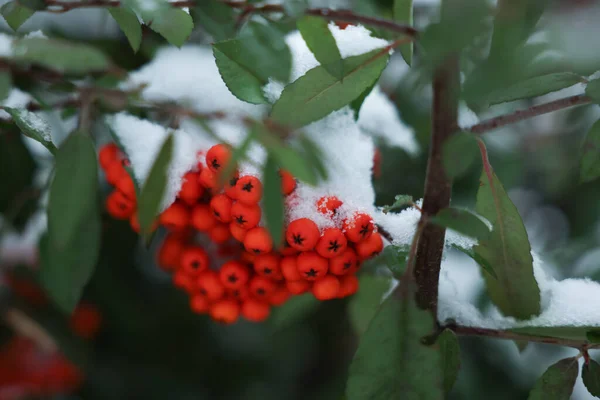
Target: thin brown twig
534 111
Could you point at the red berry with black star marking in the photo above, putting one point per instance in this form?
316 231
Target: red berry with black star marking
194 260
302 234
238 233
234 274
249 189
261 287
208 284
328 205
119 206
267 265
244 215
343 263
358 227
369 247
312 266
258 241
217 157
221 207
332 243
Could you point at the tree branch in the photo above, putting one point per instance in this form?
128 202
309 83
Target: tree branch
534 111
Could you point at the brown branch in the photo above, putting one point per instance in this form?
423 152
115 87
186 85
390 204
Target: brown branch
383 232
534 111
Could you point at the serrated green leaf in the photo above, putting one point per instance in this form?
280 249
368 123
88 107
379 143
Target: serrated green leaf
365 303
216 18
240 81
317 93
33 126
60 55
557 382
153 190
391 362
459 153
73 191
173 24
357 103
590 374
403 13
592 90
515 291
129 24
273 200
5 84
270 51
400 201
590 155
450 353
462 221
322 44
534 87
15 14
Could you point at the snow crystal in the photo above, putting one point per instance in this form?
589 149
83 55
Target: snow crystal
15 99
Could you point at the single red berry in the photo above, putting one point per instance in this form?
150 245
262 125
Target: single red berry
208 179
194 260
288 182
202 218
183 281
348 285
261 287
238 233
312 266
328 205
241 293
86 321
331 243
221 207
108 154
326 288
248 257
342 25
258 241
289 268
234 274
280 296
244 215
114 172
176 217
217 157
170 251
119 206
255 310
230 186
248 189
219 233
209 285
298 287
358 227
369 247
199 304
302 234
344 263
126 186
191 190
225 311
267 265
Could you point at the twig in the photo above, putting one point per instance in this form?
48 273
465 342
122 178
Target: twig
534 111
383 232
25 326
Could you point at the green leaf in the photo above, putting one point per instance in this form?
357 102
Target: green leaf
593 336
5 83
216 18
35 5
173 24
590 155
320 41
296 308
395 257
33 126
295 8
450 353
400 201
129 24
273 200
60 55
593 90
316 94
236 156
15 14
462 221
459 153
357 103
482 262
365 303
153 190
590 373
240 81
74 188
534 87
270 50
557 382
403 13
314 156
507 249
391 361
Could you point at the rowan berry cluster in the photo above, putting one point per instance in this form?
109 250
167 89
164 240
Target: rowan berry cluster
260 274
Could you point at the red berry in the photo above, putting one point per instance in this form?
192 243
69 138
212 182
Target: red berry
194 260
238 233
230 189
267 265
219 233
225 311
170 251
280 296
240 293
126 186
289 268
297 287
348 285
302 234
312 266
191 190
258 241
119 206
344 263
331 243
234 274
199 304
369 247
288 183
208 179
261 287
209 285
202 218
114 172
328 205
221 207
248 190
358 227
245 216
326 288
175 218
108 154
183 281
217 157
255 310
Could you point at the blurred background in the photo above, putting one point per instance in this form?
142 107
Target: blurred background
134 336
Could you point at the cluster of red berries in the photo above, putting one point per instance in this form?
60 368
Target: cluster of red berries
261 273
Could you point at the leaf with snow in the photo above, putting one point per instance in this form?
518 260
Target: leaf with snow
15 14
322 44
557 382
60 55
273 200
450 353
533 87
459 153
317 93
216 18
462 221
590 157
5 84
590 374
129 24
391 361
400 201
33 126
592 90
506 248
403 13
153 190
